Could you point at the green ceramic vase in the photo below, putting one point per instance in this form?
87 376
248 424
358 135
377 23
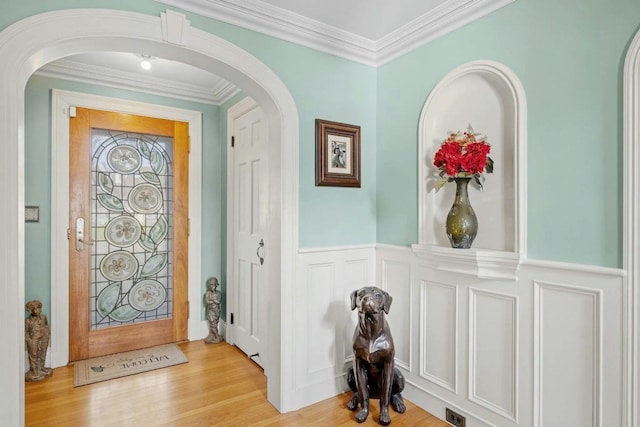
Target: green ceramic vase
462 223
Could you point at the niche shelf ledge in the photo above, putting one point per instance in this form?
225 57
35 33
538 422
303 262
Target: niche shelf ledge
480 263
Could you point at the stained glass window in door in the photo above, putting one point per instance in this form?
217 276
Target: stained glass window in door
131 228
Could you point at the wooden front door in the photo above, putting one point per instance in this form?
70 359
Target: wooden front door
128 232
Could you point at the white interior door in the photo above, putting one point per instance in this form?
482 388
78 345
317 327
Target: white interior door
248 218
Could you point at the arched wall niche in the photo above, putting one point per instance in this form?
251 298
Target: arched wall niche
489 97
631 226
29 44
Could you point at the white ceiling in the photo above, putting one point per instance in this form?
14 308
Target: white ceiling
372 32
371 19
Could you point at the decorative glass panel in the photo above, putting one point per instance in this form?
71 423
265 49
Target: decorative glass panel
131 228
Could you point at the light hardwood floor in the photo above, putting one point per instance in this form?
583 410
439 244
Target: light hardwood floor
219 386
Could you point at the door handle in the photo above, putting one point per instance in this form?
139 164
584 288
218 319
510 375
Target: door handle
80 242
260 246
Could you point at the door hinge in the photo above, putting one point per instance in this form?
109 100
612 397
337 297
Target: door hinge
188 227
233 141
68 234
189 144
188 310
232 318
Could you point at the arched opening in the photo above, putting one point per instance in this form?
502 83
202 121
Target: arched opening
29 44
631 231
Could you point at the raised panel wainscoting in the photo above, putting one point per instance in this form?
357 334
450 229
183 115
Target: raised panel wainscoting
542 348
324 324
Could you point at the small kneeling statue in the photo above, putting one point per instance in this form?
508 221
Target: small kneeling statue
36 335
212 298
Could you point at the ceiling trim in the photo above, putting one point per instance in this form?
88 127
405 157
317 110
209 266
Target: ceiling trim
92 74
274 21
265 18
443 19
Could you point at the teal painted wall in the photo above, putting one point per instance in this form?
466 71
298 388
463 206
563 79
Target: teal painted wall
326 87
38 182
569 56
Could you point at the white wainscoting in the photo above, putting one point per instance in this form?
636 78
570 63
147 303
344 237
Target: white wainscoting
401 311
568 356
493 375
323 324
439 306
543 348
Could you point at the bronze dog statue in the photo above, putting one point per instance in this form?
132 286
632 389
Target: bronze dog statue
374 374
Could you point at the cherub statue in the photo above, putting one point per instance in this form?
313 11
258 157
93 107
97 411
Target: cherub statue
212 298
36 335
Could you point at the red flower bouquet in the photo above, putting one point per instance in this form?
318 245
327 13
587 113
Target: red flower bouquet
463 155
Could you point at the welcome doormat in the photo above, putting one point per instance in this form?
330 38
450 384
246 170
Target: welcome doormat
118 365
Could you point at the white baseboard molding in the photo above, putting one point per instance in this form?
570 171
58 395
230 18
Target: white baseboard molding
318 392
436 406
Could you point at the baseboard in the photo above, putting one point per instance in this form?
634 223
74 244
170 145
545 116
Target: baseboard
437 406
320 391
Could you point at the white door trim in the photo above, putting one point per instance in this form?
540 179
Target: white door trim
61 101
35 41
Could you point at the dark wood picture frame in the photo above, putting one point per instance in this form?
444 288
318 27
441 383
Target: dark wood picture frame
337 154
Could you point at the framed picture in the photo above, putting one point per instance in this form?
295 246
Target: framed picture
337 154
32 214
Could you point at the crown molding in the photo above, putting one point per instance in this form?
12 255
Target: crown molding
441 20
274 21
262 17
84 73
280 23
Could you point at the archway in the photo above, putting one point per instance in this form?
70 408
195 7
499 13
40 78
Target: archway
29 44
631 231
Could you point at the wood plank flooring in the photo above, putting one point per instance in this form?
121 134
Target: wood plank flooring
219 386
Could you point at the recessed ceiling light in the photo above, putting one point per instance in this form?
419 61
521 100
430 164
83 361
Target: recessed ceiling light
146 62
